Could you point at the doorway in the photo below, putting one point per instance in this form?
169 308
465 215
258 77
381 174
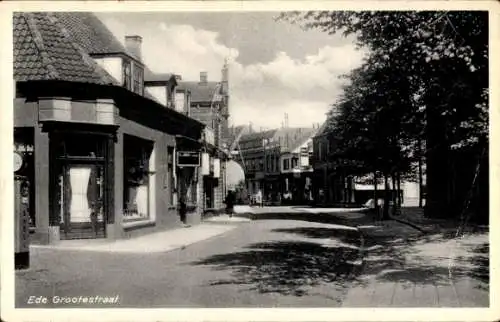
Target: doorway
208 189
81 185
82 201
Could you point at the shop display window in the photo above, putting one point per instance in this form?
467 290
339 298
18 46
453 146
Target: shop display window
137 157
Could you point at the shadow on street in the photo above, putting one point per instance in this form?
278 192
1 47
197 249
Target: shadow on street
348 236
292 267
387 259
295 267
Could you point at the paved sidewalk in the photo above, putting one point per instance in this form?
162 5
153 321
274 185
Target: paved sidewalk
226 219
244 209
415 216
403 268
163 241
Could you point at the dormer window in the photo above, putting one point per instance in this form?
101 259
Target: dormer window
138 79
133 76
127 74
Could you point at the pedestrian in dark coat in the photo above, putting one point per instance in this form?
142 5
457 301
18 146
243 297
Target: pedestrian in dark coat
230 200
183 209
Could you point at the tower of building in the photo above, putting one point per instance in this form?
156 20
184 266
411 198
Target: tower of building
225 106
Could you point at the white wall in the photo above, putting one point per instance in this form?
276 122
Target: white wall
304 161
180 102
159 92
410 194
410 191
113 65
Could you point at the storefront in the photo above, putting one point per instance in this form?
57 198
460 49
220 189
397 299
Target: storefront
92 176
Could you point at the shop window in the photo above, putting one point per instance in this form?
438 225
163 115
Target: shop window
295 162
170 176
137 157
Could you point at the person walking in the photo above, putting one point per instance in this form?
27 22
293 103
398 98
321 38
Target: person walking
230 200
183 209
258 198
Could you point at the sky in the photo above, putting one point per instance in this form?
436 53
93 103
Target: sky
274 67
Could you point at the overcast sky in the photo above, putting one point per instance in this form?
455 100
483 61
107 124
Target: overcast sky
275 67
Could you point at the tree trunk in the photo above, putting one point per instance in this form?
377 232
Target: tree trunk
437 155
399 189
394 193
420 176
375 199
385 215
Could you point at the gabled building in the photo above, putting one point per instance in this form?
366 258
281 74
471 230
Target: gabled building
95 150
276 162
296 169
253 150
208 102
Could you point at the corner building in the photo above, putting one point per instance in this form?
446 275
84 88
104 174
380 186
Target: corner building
97 149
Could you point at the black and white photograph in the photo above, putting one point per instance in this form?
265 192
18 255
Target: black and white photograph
259 159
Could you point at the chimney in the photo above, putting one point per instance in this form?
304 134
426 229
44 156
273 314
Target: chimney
203 77
133 46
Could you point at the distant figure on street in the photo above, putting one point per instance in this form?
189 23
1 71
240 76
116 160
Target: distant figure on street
182 209
258 198
229 201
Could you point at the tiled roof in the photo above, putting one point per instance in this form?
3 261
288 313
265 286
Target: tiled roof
44 50
90 32
235 133
258 135
153 77
292 138
200 92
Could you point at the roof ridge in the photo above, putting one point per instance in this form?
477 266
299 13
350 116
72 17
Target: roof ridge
84 54
38 40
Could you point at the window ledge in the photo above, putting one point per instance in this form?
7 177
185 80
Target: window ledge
138 224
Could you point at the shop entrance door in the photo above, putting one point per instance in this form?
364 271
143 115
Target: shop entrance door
82 201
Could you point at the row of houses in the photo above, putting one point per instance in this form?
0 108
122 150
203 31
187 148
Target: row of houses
276 162
291 165
105 147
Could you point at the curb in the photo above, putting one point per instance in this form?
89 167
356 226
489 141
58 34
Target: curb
174 247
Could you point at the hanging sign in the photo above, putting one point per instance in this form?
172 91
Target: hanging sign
216 168
205 164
